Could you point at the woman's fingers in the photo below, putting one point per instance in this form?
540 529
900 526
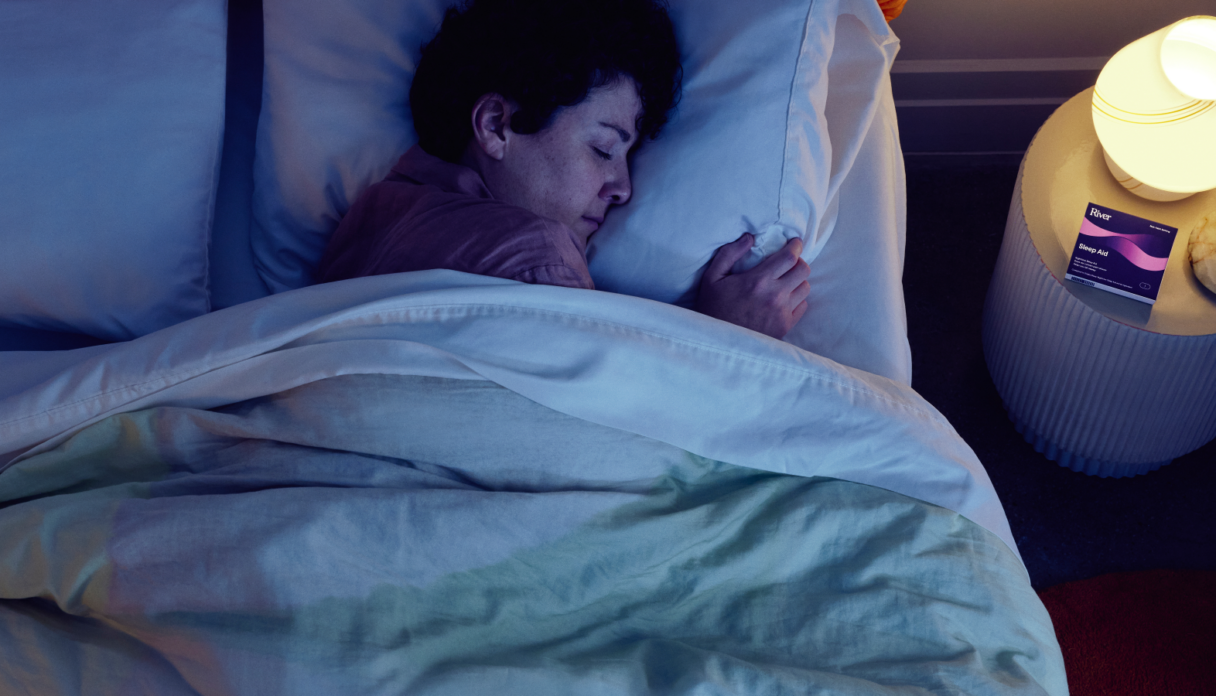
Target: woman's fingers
797 315
769 298
799 272
801 310
780 262
800 293
725 257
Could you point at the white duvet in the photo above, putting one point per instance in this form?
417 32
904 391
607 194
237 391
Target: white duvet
640 366
452 484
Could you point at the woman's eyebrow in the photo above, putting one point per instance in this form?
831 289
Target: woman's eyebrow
625 136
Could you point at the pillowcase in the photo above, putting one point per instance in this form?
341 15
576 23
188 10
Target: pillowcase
334 120
752 147
748 148
110 131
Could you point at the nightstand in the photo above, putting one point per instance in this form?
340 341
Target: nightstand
1099 383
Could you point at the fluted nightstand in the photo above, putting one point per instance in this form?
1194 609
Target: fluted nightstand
1099 383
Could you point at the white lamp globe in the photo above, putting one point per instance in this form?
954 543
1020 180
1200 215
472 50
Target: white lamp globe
1188 57
1154 110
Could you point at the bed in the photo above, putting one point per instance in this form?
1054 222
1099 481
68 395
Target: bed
218 478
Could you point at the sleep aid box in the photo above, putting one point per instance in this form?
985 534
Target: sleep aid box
1121 253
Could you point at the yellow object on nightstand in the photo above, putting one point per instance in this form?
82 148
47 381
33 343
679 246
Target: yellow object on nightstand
1202 251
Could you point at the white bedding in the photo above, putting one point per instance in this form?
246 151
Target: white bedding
111 121
856 312
637 365
444 483
390 534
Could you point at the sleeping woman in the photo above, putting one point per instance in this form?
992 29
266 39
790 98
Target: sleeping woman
527 113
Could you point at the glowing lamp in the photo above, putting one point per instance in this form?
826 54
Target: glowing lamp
1154 109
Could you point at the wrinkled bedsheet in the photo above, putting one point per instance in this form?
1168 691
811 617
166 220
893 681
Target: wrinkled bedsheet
441 484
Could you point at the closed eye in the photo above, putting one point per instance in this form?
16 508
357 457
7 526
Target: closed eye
602 154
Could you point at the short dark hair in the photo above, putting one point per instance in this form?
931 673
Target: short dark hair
543 55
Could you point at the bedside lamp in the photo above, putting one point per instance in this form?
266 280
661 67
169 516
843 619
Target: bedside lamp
1154 109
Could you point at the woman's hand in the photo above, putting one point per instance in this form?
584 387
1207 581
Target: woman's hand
769 298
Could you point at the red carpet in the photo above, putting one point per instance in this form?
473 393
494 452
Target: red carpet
1150 633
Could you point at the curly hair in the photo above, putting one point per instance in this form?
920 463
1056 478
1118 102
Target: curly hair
543 55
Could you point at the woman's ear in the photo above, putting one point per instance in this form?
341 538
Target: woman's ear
491 122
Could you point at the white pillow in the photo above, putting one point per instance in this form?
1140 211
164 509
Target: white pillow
752 147
334 120
111 120
748 146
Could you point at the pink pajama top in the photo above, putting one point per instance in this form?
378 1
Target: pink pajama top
429 213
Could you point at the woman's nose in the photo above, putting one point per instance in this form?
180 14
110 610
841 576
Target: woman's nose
617 189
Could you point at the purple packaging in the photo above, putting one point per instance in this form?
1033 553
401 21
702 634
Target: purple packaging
1121 253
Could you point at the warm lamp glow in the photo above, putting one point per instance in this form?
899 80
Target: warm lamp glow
1154 109
1188 57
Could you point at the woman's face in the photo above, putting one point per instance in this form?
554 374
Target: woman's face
576 168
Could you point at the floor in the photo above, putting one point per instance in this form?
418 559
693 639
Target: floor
1068 526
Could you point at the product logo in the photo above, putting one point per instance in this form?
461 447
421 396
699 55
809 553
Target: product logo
1094 212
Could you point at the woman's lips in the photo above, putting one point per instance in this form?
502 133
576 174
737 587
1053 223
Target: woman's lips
595 223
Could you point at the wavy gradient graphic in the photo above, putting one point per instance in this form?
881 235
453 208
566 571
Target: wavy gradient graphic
1126 245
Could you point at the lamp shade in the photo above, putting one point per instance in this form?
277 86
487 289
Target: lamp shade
1154 110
